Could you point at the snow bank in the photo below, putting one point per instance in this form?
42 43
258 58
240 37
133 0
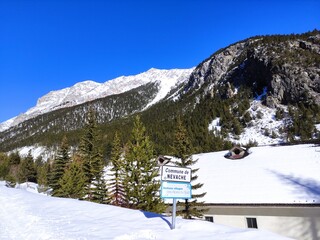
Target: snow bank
26 215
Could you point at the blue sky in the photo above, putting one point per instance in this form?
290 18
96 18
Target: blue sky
48 45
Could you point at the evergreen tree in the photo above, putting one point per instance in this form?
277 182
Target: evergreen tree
43 176
90 153
4 165
59 165
27 170
116 188
141 186
14 161
14 158
182 151
99 193
73 182
236 126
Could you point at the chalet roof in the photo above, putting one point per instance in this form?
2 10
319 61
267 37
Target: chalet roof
237 152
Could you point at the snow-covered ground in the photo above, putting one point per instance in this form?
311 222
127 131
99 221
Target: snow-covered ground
286 174
269 174
27 215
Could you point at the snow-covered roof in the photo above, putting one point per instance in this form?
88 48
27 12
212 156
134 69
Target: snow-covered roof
269 175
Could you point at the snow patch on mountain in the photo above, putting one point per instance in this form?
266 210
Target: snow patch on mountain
170 81
89 90
264 128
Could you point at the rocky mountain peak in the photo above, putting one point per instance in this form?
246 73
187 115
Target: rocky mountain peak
89 90
289 66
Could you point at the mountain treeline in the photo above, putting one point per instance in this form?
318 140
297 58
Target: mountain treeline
129 179
47 129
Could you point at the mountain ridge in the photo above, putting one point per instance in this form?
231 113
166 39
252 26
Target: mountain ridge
89 90
262 86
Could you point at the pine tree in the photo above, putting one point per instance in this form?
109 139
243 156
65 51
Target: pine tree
27 170
43 172
116 188
15 158
182 150
61 160
99 193
141 186
4 165
90 153
73 182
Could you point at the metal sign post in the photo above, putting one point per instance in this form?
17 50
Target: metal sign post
174 210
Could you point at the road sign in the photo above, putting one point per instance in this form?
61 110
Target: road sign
175 174
176 190
175 184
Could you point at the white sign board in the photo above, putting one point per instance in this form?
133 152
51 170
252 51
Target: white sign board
175 174
180 190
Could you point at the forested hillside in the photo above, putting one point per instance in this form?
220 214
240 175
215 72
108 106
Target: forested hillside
282 72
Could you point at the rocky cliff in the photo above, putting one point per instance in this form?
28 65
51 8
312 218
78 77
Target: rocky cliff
288 66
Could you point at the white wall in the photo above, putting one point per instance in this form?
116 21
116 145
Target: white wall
235 221
300 228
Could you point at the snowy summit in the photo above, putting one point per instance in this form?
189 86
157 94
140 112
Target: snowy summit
89 90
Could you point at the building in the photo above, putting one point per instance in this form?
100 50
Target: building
274 188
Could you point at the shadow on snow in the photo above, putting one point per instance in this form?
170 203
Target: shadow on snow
303 186
156 215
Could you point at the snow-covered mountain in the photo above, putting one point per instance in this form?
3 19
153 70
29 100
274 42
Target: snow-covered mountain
89 90
255 90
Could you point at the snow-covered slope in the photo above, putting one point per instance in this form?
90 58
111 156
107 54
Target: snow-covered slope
264 128
90 90
27 215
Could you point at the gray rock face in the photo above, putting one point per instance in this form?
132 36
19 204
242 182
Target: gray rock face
294 84
288 66
215 68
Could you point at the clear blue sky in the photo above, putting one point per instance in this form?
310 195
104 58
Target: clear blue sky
52 44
